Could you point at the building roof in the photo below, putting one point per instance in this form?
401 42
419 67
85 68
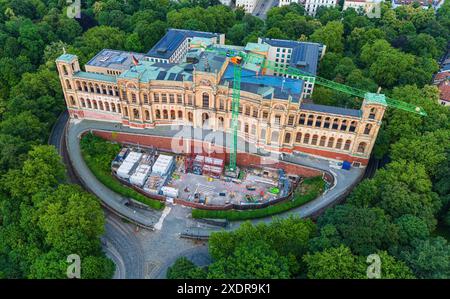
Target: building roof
255 47
147 71
330 109
170 42
95 76
444 89
304 56
264 85
114 59
66 57
442 76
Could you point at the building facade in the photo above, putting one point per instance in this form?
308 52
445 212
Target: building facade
311 6
248 5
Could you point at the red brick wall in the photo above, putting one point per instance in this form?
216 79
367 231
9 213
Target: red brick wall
243 159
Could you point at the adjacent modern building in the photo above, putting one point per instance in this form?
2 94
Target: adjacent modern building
372 8
174 45
274 114
311 6
248 5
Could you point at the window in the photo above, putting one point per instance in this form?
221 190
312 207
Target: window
275 137
106 106
291 120
164 98
318 121
298 137
179 99
331 142
310 120
113 107
287 138
265 114
190 100
335 124
172 114
157 114
171 98
347 145
247 110
362 147
72 101
68 85
339 143
372 113
246 128
135 114
190 117
145 98
277 119
205 100
180 114
306 139
352 126
165 114
301 121
156 97
65 70
323 139
263 135
83 103
344 125
255 113
147 115
221 104
253 130
367 129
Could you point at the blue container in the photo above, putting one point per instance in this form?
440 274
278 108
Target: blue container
346 165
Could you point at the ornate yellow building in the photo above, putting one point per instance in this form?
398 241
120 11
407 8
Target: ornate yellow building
273 114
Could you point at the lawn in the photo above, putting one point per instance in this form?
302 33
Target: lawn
98 154
310 189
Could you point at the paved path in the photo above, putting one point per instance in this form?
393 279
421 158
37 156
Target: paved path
153 251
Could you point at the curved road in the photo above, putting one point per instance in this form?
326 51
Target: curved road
152 252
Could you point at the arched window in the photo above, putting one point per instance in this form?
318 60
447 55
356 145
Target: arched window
314 140
298 137
89 103
323 140
172 114
110 90
246 128
72 101
353 125
310 120
104 91
180 114
287 138
367 129
133 98
373 113
113 107
135 114
100 104
326 124
85 87
119 109
221 122
344 125
347 145
335 124
247 110
165 114
205 100
339 143
95 104
106 106
97 88
83 103
275 137
306 139
65 70
318 121
265 114
301 120
91 87
68 85
331 142
190 117
362 147
147 115
125 111
78 85
291 120
157 114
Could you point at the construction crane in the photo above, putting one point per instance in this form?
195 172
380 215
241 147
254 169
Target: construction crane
239 58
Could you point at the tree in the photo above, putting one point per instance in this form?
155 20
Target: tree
411 227
429 259
364 230
255 260
392 268
334 263
332 35
183 268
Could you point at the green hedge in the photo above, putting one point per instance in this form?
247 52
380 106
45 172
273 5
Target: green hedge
314 186
98 154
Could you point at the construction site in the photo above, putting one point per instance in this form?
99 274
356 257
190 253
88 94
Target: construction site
200 179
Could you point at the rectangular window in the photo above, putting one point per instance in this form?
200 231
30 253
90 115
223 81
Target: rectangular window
171 98
164 98
179 99
156 97
145 98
